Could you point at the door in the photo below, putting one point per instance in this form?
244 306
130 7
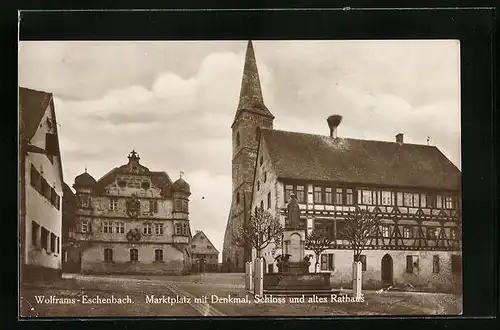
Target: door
387 270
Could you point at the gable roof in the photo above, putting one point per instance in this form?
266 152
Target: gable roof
203 249
32 106
322 158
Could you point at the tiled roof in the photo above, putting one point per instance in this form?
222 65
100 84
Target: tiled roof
251 99
202 249
322 158
32 106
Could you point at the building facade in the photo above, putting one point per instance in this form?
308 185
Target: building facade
41 187
203 249
251 116
413 189
132 220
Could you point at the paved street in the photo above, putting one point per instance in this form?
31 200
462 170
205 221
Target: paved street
100 296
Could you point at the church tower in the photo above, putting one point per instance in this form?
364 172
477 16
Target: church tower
251 116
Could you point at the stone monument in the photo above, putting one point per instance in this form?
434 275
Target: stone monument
294 236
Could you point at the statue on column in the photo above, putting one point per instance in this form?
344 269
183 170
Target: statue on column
293 213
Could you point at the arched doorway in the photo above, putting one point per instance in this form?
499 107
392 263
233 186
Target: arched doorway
387 270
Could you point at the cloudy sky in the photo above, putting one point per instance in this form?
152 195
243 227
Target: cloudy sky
174 102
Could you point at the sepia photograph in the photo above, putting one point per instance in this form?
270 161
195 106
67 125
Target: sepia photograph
239 178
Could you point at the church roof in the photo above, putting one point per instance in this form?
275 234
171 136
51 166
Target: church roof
32 106
322 158
251 99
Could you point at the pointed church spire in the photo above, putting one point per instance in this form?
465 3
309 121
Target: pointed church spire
251 92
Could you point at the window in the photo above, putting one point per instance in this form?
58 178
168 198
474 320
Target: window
153 206
318 194
84 226
363 262
416 200
268 200
145 185
408 199
44 238
423 200
348 197
57 244
340 225
448 202
237 198
258 185
178 229
52 242
148 229
193 246
385 231
288 192
338 196
265 176
366 197
45 189
261 160
34 233
432 233
209 247
301 196
58 202
257 133
107 227
454 233
456 264
134 255
158 228
35 178
328 262
407 232
145 207
435 263
185 229
439 202
83 200
108 255
328 196
120 227
158 255
411 264
386 198
237 139
261 205
51 145
399 198
113 204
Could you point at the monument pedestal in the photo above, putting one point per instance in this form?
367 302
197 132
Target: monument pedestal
294 244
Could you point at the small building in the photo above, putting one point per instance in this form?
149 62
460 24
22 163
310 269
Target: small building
41 187
132 220
203 249
68 225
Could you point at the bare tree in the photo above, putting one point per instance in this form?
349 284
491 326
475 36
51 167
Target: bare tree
261 229
360 227
318 241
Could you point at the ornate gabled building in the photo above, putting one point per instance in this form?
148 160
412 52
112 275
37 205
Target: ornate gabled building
40 186
132 220
251 116
413 189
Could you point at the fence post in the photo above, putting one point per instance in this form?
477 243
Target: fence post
259 277
357 279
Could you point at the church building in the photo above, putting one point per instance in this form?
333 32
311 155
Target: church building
415 191
132 220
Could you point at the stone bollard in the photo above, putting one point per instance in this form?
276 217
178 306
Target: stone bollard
259 277
356 279
248 276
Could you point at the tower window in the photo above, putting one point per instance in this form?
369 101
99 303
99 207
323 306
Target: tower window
237 198
238 139
257 133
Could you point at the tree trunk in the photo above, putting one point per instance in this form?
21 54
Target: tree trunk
317 263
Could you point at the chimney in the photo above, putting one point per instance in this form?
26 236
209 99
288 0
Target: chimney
333 122
399 139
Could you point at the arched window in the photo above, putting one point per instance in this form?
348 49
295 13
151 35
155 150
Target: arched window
237 198
238 139
257 133
134 255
